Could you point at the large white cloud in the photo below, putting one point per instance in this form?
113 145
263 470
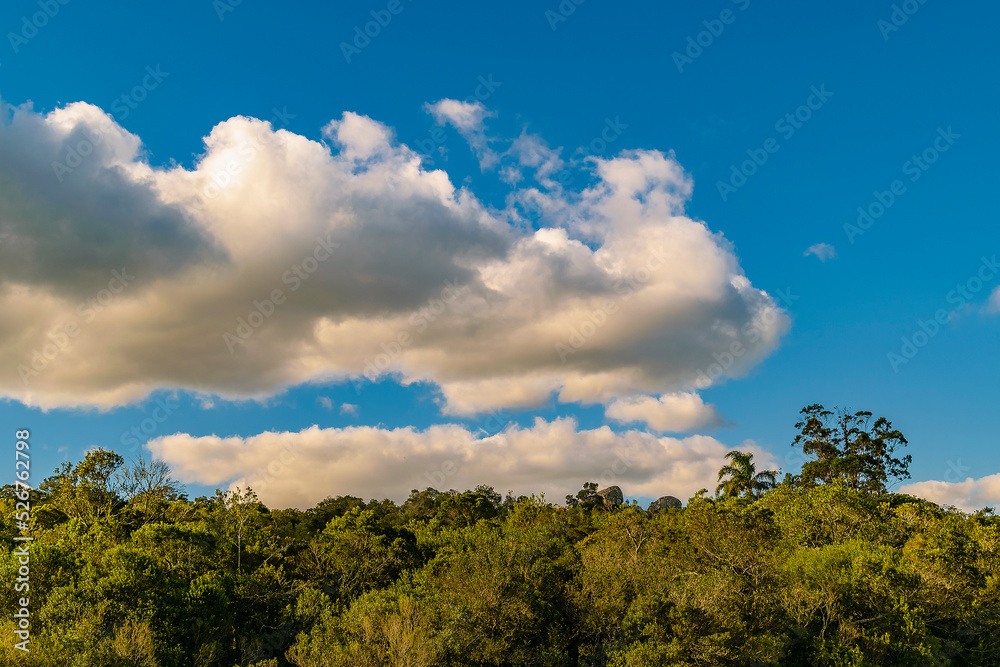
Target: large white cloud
299 469
970 495
382 267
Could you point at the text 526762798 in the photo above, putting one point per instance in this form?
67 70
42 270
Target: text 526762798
22 509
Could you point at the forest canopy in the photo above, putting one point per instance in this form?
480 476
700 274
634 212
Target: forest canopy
825 567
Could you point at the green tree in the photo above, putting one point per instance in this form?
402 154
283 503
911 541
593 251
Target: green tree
823 574
239 510
849 447
743 478
585 497
149 489
355 553
90 490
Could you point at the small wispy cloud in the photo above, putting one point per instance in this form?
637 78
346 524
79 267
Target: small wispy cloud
349 409
823 251
469 118
325 402
465 116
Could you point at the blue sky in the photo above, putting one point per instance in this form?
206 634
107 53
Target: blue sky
882 92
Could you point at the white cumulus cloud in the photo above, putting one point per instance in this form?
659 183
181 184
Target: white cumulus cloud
677 412
970 494
276 260
297 469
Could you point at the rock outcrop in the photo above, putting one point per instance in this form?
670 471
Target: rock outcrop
611 496
664 502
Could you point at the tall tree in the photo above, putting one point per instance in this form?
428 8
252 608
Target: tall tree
743 477
851 448
149 488
241 506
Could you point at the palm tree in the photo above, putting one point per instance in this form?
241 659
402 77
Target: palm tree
743 477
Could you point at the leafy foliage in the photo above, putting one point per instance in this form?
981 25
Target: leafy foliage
829 570
743 478
850 448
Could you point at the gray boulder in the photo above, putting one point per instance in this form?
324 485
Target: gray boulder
664 502
611 496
